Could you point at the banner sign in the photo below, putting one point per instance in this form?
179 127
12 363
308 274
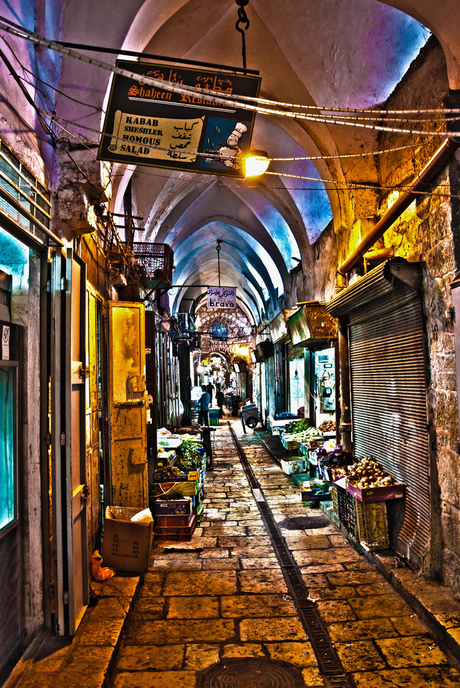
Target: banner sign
151 126
221 297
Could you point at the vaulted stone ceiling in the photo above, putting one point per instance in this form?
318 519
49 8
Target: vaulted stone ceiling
335 53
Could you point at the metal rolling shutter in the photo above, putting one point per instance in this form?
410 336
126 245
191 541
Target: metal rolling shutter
389 406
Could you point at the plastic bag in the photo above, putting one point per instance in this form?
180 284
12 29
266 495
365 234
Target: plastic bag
144 516
99 572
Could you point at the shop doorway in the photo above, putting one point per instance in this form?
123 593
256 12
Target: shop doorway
296 384
322 388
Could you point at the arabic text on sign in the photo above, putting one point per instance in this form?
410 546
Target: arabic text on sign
142 136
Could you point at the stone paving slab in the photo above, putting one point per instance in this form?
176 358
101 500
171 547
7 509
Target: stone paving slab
223 596
85 660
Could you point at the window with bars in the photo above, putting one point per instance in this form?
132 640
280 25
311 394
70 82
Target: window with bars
22 197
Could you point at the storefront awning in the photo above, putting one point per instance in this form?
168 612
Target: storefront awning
312 324
278 326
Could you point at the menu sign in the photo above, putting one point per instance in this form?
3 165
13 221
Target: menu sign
147 125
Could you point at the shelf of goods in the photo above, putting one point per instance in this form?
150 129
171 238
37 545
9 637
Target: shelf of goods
177 488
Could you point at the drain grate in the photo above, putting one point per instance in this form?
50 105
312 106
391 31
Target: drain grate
251 673
328 660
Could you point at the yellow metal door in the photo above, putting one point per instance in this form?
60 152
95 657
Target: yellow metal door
128 404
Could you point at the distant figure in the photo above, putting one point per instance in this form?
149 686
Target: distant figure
204 408
220 397
235 404
210 389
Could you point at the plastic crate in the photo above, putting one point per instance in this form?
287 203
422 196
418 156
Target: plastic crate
372 523
335 499
352 522
179 533
342 504
171 521
289 444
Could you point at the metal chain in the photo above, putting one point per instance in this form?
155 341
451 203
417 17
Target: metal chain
242 25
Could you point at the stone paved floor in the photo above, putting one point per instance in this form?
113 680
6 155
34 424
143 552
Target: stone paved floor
223 595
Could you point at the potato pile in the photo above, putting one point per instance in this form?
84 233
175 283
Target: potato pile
327 426
367 473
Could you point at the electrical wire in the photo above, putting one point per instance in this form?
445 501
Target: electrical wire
45 83
54 118
174 88
56 44
339 186
210 96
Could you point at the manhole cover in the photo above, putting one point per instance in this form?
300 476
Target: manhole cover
251 673
304 522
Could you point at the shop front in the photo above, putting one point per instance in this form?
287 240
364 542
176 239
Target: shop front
24 246
382 326
313 334
291 390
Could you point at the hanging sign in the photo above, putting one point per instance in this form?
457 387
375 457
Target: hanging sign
221 297
151 126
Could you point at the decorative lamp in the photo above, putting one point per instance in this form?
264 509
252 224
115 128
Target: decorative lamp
255 163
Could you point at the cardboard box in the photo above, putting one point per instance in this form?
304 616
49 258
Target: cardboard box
293 464
127 544
172 507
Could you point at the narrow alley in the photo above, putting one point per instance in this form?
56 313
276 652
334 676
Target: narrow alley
216 611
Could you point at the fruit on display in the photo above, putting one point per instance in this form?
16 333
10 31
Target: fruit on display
335 458
367 473
327 426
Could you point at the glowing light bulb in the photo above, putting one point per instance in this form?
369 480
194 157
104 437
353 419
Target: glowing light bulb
255 163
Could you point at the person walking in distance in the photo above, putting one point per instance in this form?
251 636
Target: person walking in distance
220 396
204 408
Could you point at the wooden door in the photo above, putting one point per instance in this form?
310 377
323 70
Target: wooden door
76 463
128 404
69 466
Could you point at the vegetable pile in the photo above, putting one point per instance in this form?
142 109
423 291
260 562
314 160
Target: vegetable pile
300 431
189 455
327 426
333 459
367 473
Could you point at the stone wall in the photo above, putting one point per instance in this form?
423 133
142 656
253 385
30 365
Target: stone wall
427 232
424 233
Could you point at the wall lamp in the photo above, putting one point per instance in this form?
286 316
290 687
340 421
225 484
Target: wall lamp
255 163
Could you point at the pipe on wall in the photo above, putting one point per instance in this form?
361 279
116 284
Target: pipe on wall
426 176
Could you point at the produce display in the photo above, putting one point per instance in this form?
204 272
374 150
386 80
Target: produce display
300 431
189 455
327 426
367 473
334 458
